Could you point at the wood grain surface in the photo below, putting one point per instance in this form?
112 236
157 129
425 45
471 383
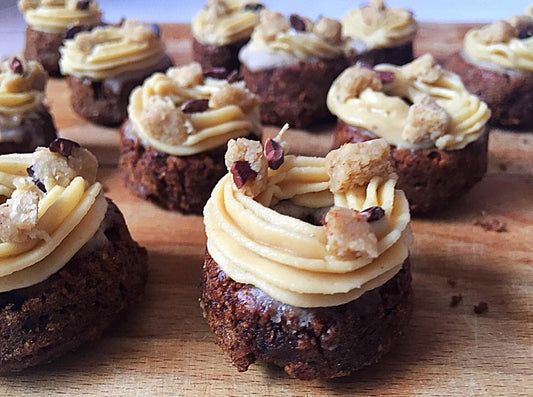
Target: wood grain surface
164 347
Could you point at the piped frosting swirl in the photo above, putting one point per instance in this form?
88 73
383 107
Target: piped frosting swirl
55 16
224 22
377 26
303 264
110 51
54 206
441 112
183 113
22 86
502 44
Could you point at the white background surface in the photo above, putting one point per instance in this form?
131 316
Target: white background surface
12 24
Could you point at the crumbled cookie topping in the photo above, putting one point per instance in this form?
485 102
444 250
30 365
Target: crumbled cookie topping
233 94
216 9
355 80
426 121
270 24
17 75
330 30
424 68
373 12
349 235
166 123
187 76
251 152
355 164
497 32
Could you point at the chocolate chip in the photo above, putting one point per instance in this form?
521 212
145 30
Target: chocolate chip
195 106
37 181
75 29
481 308
456 299
63 146
386 77
156 29
83 4
234 76
297 23
254 7
274 153
16 66
219 73
526 33
373 213
242 172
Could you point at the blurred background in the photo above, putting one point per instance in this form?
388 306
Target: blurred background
12 24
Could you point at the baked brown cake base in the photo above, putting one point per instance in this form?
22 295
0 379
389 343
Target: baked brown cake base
324 342
75 305
212 56
430 178
295 94
508 95
106 102
36 129
396 55
172 182
44 48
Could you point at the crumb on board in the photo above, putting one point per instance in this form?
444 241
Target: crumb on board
481 307
456 299
452 282
493 225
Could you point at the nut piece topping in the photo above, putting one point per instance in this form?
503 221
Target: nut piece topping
328 29
424 68
354 80
355 164
233 94
497 32
274 153
165 122
349 235
373 214
187 76
242 172
426 121
250 152
195 106
271 23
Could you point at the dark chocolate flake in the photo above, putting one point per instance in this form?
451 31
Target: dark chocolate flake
156 29
386 77
63 146
373 213
254 7
195 106
526 33
16 66
297 23
234 76
274 153
219 73
242 172
456 299
37 181
83 4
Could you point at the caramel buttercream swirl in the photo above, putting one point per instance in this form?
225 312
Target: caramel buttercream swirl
277 42
299 263
22 86
158 111
377 26
224 22
501 44
109 51
441 112
48 216
55 16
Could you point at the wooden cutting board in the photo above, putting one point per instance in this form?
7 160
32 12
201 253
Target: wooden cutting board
164 346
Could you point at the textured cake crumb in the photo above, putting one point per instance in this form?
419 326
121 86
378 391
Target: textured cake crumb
243 149
355 164
187 76
349 235
328 29
233 94
426 121
497 32
355 80
424 68
166 123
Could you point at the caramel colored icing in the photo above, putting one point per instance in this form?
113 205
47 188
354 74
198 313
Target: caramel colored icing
41 231
55 16
288 258
499 45
156 114
275 42
224 22
424 106
21 91
380 27
109 51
